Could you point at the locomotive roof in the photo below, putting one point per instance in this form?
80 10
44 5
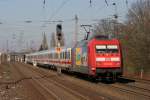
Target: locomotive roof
101 37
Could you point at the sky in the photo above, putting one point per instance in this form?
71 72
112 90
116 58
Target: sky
22 22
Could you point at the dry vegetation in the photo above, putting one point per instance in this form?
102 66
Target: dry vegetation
134 35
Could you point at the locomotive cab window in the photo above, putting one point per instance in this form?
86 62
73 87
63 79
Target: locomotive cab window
112 48
106 49
100 48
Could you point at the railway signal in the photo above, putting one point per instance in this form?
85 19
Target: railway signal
59 32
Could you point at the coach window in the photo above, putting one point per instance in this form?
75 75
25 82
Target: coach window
69 54
66 56
61 55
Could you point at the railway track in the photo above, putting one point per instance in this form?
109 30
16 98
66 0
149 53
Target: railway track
137 80
132 87
132 90
128 89
56 90
74 89
135 87
139 84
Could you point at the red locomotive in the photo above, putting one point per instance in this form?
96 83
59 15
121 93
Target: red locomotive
97 57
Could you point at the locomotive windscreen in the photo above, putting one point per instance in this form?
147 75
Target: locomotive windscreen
106 49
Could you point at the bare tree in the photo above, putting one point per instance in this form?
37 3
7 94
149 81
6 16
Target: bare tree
107 27
138 32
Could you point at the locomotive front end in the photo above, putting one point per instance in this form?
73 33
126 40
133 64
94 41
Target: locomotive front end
105 58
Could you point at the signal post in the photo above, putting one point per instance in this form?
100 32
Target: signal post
58 48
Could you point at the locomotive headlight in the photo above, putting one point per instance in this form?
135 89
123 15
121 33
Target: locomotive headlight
115 59
100 46
93 68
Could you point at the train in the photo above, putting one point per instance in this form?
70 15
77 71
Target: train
99 57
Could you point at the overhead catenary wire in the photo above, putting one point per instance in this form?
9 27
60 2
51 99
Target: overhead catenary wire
90 3
59 8
64 2
127 3
55 12
44 4
106 2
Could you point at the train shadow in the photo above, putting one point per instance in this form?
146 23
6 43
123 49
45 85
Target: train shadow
88 78
118 80
125 80
102 80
